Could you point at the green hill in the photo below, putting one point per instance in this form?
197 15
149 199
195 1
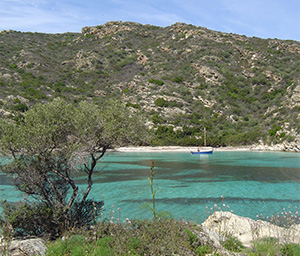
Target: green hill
183 77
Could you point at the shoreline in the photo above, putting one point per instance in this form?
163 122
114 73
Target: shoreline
177 149
257 148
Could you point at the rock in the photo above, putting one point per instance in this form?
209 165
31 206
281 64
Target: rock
210 75
207 236
33 246
211 238
295 98
84 60
141 58
109 28
5 113
247 230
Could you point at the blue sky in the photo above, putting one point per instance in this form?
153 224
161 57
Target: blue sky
261 18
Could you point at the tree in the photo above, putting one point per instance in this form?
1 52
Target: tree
52 143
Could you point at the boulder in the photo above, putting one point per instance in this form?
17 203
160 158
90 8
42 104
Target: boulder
32 246
247 230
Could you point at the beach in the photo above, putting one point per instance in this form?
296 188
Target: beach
178 149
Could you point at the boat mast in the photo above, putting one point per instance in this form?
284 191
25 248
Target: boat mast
204 137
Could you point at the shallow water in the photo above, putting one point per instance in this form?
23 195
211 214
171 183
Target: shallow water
250 182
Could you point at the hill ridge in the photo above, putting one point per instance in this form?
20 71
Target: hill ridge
183 77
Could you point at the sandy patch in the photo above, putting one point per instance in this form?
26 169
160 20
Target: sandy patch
177 149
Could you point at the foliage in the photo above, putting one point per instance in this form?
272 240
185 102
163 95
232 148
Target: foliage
33 219
20 107
137 237
232 244
290 249
153 191
76 245
156 81
136 106
245 85
274 130
160 237
49 145
161 102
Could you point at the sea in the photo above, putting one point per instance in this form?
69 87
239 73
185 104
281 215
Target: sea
190 187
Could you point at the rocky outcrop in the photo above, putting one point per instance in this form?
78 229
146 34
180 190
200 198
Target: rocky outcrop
293 146
210 75
294 99
33 246
142 58
246 230
109 28
84 60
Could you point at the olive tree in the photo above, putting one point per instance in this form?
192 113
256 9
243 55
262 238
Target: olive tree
49 145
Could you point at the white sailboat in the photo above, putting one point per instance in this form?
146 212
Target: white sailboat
204 150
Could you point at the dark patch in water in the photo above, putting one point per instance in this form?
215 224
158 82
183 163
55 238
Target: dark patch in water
214 200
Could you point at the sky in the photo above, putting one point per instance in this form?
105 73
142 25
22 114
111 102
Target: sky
260 18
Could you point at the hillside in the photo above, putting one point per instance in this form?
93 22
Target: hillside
184 78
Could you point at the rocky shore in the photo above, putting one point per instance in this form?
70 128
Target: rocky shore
285 146
212 232
246 230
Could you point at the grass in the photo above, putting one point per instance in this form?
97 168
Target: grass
157 237
136 237
271 247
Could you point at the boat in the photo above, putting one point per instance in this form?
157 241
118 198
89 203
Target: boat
204 150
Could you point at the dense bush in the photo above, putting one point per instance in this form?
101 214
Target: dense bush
38 219
160 237
137 237
47 146
156 81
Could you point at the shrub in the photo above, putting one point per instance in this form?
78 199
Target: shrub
161 102
134 237
30 219
232 244
20 107
38 219
274 130
290 249
156 81
156 119
136 106
178 79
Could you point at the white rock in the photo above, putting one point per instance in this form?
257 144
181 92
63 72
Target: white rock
247 230
34 246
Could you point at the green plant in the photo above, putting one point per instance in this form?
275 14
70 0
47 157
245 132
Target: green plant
76 245
20 107
204 250
134 237
47 146
232 244
267 246
290 249
192 238
161 102
156 81
133 105
153 191
7 235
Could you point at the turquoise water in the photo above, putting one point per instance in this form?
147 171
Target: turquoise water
250 182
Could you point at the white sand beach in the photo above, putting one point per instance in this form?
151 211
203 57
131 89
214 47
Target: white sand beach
177 149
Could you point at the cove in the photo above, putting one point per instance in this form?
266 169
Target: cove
251 183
